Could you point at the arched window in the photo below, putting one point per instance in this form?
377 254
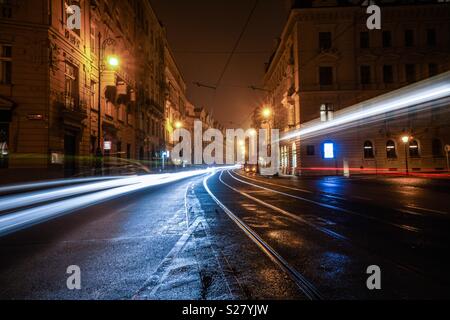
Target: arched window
391 151
368 150
414 149
437 148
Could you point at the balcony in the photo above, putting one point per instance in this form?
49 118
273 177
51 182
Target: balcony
73 110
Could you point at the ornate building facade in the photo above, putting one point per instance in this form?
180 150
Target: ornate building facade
54 80
328 60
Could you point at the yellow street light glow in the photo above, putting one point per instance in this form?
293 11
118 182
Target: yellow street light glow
405 139
267 112
113 61
178 125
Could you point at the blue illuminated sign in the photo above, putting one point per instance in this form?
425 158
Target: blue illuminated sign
328 150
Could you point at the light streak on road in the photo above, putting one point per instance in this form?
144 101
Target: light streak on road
88 195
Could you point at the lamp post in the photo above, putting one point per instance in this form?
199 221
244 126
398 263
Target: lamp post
267 114
113 62
405 140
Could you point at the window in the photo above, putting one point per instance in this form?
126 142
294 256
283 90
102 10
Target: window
364 40
121 112
326 76
368 150
284 157
410 72
326 112
436 148
71 86
129 115
109 109
432 69
328 150
128 151
310 150
93 145
387 39
6 8
431 37
388 74
324 40
119 149
414 149
365 74
5 64
391 151
409 38
93 39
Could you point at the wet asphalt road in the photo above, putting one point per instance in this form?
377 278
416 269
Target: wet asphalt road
175 242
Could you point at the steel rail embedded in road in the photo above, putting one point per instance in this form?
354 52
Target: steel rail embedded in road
437 213
310 291
335 235
332 207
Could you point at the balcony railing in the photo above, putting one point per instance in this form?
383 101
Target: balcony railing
72 103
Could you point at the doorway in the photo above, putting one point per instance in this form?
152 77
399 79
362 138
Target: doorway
4 147
70 151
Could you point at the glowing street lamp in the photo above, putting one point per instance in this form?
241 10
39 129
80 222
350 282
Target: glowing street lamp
267 112
405 140
178 125
113 61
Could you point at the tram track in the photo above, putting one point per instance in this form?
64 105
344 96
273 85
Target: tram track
335 235
328 206
306 286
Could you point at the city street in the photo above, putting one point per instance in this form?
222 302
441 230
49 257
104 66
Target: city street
225 158
229 235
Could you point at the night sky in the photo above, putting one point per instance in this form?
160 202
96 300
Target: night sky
202 33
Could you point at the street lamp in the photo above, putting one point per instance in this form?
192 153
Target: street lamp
267 112
178 125
267 115
405 140
113 62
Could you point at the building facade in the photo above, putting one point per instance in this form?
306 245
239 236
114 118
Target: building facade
176 101
55 80
328 60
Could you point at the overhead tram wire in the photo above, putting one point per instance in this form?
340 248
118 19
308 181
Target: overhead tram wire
236 45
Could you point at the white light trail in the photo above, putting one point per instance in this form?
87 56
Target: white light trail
51 183
13 222
422 92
